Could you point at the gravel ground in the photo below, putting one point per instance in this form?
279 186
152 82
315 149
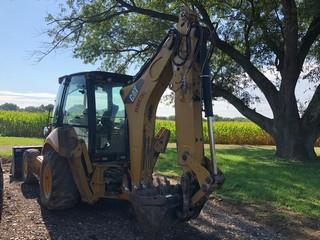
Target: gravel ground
23 218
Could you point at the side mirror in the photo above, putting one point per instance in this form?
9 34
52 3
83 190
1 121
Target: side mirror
46 131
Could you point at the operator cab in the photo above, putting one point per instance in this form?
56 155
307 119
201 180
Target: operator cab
92 104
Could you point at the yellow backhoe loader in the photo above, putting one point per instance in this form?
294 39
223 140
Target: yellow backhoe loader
102 141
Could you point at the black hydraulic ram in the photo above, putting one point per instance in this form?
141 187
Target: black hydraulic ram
207 92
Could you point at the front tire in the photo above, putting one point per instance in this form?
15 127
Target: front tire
57 187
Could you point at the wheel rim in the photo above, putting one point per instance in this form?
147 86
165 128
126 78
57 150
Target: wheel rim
25 168
47 181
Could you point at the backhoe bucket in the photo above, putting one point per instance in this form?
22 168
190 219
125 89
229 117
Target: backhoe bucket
155 210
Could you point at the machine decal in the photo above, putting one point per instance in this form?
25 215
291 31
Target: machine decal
132 95
141 96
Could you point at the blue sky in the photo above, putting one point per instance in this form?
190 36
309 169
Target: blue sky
22 32
26 82
23 80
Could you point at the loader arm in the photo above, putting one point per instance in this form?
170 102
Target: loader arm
177 64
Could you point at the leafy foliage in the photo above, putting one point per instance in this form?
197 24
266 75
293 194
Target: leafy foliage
251 37
9 107
14 107
120 37
104 31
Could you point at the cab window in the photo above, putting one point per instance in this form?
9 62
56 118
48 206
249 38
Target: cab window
57 105
76 103
75 112
110 119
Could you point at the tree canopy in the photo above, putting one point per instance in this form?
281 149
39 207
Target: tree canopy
250 36
15 107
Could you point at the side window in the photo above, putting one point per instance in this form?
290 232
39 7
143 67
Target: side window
57 104
117 100
102 101
75 109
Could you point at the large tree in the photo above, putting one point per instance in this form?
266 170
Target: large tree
252 37
9 107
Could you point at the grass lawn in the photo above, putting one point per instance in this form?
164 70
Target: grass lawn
6 144
253 175
17 141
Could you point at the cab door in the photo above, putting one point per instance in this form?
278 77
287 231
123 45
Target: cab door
75 107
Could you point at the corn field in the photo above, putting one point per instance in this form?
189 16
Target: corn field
227 133
22 124
230 132
26 124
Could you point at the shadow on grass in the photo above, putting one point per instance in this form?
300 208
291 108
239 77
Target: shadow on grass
255 175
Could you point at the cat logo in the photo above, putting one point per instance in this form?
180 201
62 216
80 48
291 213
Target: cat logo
134 92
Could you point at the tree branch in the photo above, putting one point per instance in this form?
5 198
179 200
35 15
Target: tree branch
312 113
308 39
269 38
57 43
290 65
264 122
247 29
265 85
148 12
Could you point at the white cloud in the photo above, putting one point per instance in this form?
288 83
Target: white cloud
221 108
26 99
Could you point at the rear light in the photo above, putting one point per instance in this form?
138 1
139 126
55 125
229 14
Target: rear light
101 158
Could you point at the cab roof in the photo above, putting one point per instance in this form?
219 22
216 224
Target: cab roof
114 77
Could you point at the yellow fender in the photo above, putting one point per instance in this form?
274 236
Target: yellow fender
66 143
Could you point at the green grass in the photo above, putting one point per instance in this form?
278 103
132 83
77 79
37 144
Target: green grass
254 175
5 153
6 144
17 141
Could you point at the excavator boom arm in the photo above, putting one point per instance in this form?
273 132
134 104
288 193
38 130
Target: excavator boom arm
179 64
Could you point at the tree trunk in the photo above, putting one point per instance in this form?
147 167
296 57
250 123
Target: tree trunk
293 141
294 138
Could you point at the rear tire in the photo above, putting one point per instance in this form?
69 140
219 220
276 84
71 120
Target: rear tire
27 174
57 187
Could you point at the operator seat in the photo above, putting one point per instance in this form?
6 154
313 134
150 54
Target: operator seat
107 123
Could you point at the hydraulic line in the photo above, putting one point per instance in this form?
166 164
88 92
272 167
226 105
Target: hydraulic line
207 96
